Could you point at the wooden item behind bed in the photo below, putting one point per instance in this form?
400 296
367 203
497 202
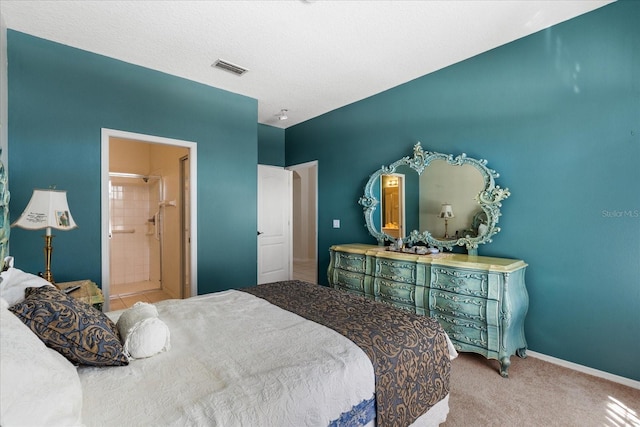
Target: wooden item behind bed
88 292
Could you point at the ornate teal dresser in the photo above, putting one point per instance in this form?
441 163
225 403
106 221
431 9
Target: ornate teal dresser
481 302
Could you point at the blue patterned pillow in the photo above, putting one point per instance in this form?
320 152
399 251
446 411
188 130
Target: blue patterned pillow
76 330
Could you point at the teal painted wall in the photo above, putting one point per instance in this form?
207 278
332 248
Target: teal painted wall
557 114
60 98
270 145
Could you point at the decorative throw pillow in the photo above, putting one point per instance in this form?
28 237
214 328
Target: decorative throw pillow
143 333
76 330
13 282
38 386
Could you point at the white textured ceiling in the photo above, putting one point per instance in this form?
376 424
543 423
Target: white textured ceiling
308 57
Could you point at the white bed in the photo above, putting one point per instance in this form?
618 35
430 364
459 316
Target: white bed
234 360
231 366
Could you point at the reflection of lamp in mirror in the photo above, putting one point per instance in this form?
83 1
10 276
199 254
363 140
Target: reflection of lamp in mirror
446 212
47 209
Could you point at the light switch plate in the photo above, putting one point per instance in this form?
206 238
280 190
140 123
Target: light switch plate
336 223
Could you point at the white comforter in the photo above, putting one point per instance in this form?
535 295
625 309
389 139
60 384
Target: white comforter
235 360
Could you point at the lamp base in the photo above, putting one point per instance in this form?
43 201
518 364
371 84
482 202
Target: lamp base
48 277
48 249
446 231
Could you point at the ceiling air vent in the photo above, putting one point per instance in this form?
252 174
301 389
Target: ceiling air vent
227 66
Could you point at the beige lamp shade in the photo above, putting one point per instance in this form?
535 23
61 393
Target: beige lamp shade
46 209
446 211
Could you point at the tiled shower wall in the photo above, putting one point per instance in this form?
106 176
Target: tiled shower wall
134 251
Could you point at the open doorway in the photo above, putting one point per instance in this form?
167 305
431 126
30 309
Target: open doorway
145 193
305 220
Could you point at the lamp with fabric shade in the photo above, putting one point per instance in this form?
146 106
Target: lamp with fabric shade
47 209
446 212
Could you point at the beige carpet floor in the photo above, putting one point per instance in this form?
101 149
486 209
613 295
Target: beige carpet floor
537 393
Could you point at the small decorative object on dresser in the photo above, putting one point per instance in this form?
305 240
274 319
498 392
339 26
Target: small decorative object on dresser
481 302
87 292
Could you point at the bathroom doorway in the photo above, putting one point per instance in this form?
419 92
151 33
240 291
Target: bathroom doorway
146 195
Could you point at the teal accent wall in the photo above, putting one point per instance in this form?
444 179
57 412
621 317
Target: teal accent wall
557 114
61 97
270 145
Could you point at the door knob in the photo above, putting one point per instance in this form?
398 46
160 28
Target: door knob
260 232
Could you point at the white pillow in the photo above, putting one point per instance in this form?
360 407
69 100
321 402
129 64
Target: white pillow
13 282
143 334
38 386
8 262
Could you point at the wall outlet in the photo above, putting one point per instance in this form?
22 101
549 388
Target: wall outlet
336 223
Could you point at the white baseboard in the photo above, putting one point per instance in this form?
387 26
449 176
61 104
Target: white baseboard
585 369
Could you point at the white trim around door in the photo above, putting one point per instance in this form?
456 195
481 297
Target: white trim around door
106 134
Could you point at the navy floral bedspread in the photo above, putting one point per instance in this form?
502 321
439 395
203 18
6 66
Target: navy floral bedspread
409 352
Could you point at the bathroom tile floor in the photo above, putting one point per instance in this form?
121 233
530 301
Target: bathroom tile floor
134 287
125 295
120 302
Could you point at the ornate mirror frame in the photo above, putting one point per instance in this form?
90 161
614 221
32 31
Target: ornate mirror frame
5 229
488 199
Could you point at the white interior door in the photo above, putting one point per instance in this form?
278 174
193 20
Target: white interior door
274 224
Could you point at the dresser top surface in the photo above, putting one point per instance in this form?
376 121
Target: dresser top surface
443 259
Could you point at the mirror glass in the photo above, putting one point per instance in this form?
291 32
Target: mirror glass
393 205
455 185
434 199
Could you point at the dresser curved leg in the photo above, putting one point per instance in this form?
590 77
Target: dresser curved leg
522 352
505 362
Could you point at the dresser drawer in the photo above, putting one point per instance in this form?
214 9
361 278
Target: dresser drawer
350 262
401 293
467 334
465 282
350 280
464 306
397 271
